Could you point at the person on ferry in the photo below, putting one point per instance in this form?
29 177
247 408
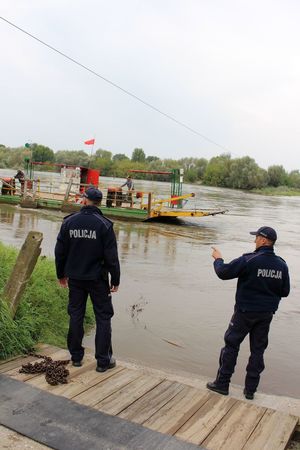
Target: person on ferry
21 177
128 183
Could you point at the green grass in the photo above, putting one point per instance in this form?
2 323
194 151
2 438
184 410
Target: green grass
42 314
280 190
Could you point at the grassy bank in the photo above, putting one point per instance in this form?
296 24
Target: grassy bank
42 315
280 190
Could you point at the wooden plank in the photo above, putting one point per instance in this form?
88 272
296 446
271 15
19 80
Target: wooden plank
12 358
176 412
14 373
121 399
58 354
273 431
235 428
17 362
41 383
201 424
95 394
84 381
150 403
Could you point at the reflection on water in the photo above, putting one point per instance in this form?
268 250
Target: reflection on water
181 309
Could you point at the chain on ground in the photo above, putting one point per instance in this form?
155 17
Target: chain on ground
55 371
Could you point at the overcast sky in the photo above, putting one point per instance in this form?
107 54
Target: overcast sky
228 69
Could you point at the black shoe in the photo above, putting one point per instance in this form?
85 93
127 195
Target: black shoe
111 365
77 363
213 386
248 395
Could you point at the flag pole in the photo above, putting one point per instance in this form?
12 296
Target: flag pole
92 151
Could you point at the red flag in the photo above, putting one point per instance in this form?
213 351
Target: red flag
90 142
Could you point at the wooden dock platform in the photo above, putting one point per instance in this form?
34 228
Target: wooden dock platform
193 415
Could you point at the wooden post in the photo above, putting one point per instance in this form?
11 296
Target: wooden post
68 190
22 270
25 189
149 204
34 190
66 206
28 201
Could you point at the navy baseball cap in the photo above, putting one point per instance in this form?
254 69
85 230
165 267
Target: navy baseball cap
266 232
93 194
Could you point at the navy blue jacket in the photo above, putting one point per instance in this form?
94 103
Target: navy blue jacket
86 247
263 278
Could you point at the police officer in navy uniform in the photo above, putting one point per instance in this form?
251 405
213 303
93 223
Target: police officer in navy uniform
263 278
86 255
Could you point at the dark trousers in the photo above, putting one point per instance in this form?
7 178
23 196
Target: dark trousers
103 309
257 325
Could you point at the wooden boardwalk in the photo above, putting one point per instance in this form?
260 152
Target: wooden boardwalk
193 415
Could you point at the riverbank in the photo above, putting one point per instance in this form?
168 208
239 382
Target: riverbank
283 191
42 315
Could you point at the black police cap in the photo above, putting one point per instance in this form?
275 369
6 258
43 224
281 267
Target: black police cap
93 194
266 232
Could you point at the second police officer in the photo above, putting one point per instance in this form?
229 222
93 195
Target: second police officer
263 278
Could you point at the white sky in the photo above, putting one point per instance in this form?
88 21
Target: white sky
227 68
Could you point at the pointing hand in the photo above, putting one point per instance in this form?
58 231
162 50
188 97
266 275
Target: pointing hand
216 253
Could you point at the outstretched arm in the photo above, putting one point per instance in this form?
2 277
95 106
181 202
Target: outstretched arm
230 270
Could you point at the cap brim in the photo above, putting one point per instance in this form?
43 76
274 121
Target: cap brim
254 233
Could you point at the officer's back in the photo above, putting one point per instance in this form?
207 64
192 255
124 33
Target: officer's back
263 281
86 246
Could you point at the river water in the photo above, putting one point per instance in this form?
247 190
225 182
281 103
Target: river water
171 310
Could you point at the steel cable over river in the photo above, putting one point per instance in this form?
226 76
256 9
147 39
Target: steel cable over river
171 310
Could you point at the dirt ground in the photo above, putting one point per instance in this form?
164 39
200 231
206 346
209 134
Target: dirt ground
10 440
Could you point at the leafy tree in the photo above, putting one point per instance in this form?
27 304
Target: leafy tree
41 153
72 157
194 168
191 175
201 165
138 155
119 157
122 167
218 170
104 165
293 179
105 154
277 176
150 159
12 157
246 174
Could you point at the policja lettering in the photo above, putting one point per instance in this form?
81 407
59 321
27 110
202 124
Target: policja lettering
269 273
86 234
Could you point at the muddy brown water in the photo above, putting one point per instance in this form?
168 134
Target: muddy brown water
171 310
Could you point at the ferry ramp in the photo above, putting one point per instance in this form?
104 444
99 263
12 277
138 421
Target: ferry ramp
126 408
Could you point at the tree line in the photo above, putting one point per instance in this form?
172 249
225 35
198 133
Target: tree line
221 171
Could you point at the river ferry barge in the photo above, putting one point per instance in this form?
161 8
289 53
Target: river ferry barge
66 195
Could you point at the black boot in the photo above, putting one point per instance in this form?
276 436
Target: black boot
214 386
111 365
248 395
